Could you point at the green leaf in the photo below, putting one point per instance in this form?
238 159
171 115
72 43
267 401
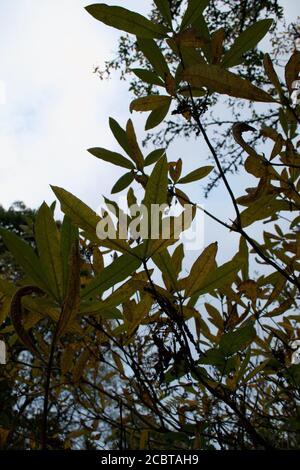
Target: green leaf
111 157
154 55
201 269
157 116
117 271
48 245
196 175
193 12
123 183
237 340
246 41
27 259
148 77
164 8
153 156
150 102
79 213
220 277
119 134
164 262
68 234
157 185
135 151
126 20
219 80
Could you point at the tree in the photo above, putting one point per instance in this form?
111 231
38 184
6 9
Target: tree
201 360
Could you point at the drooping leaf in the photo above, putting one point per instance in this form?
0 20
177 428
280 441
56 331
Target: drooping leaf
111 157
154 55
219 80
48 245
27 259
126 20
122 182
149 103
196 175
246 41
193 12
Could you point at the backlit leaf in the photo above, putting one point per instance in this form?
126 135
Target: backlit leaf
196 175
111 157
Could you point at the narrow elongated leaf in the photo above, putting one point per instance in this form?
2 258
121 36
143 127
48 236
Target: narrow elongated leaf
148 77
27 259
201 269
68 234
196 175
154 55
246 41
157 116
123 183
116 272
153 156
164 8
79 213
193 12
292 70
111 157
126 20
157 185
219 80
135 151
164 262
238 340
272 75
48 245
72 299
148 103
119 134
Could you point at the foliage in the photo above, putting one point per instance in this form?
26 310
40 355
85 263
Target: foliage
203 360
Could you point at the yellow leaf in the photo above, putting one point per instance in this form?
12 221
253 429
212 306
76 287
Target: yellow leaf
200 269
148 103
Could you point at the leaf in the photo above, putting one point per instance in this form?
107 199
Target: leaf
148 77
272 75
246 41
164 262
79 213
157 116
26 257
135 151
201 269
262 208
217 40
68 234
111 157
164 8
153 156
126 20
119 134
190 38
157 185
196 175
72 299
117 271
149 103
238 340
193 12
154 55
48 245
222 81
122 183
220 276
292 70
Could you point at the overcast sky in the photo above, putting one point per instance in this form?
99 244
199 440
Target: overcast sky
52 107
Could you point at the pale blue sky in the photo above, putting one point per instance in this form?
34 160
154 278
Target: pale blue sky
55 107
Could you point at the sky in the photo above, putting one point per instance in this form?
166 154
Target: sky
53 108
